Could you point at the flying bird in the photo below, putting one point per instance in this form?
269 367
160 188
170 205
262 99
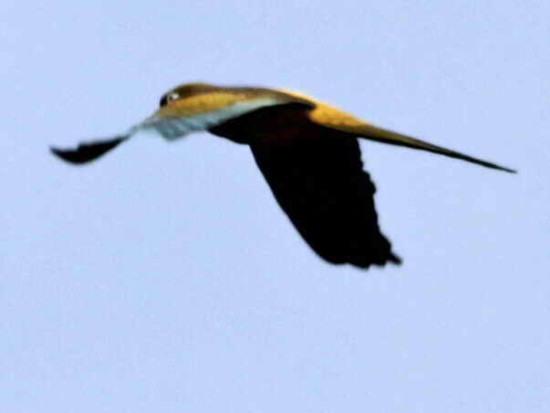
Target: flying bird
307 150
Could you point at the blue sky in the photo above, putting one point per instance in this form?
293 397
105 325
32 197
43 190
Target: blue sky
166 278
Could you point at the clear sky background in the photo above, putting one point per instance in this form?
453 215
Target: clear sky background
165 278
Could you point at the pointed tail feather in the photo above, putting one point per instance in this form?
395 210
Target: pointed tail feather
88 151
393 138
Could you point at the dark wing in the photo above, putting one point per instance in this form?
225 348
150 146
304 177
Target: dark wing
317 177
88 151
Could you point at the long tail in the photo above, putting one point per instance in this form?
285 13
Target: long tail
393 138
88 151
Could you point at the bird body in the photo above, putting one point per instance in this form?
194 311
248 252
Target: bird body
307 151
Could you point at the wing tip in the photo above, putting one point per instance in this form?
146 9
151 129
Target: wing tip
67 155
365 262
395 259
87 152
391 258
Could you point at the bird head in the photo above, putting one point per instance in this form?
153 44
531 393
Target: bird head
185 91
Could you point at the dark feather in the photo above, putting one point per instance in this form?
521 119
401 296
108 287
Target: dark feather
88 151
317 177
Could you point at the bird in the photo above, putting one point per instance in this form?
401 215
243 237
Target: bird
307 150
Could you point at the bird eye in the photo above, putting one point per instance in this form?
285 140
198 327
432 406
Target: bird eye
169 97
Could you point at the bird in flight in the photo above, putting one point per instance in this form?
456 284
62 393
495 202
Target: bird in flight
308 152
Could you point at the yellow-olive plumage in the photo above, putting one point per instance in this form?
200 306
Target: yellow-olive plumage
307 151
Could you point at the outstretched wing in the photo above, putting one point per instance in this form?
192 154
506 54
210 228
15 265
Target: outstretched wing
317 177
186 115
333 117
88 151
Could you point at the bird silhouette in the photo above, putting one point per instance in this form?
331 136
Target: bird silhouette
307 151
